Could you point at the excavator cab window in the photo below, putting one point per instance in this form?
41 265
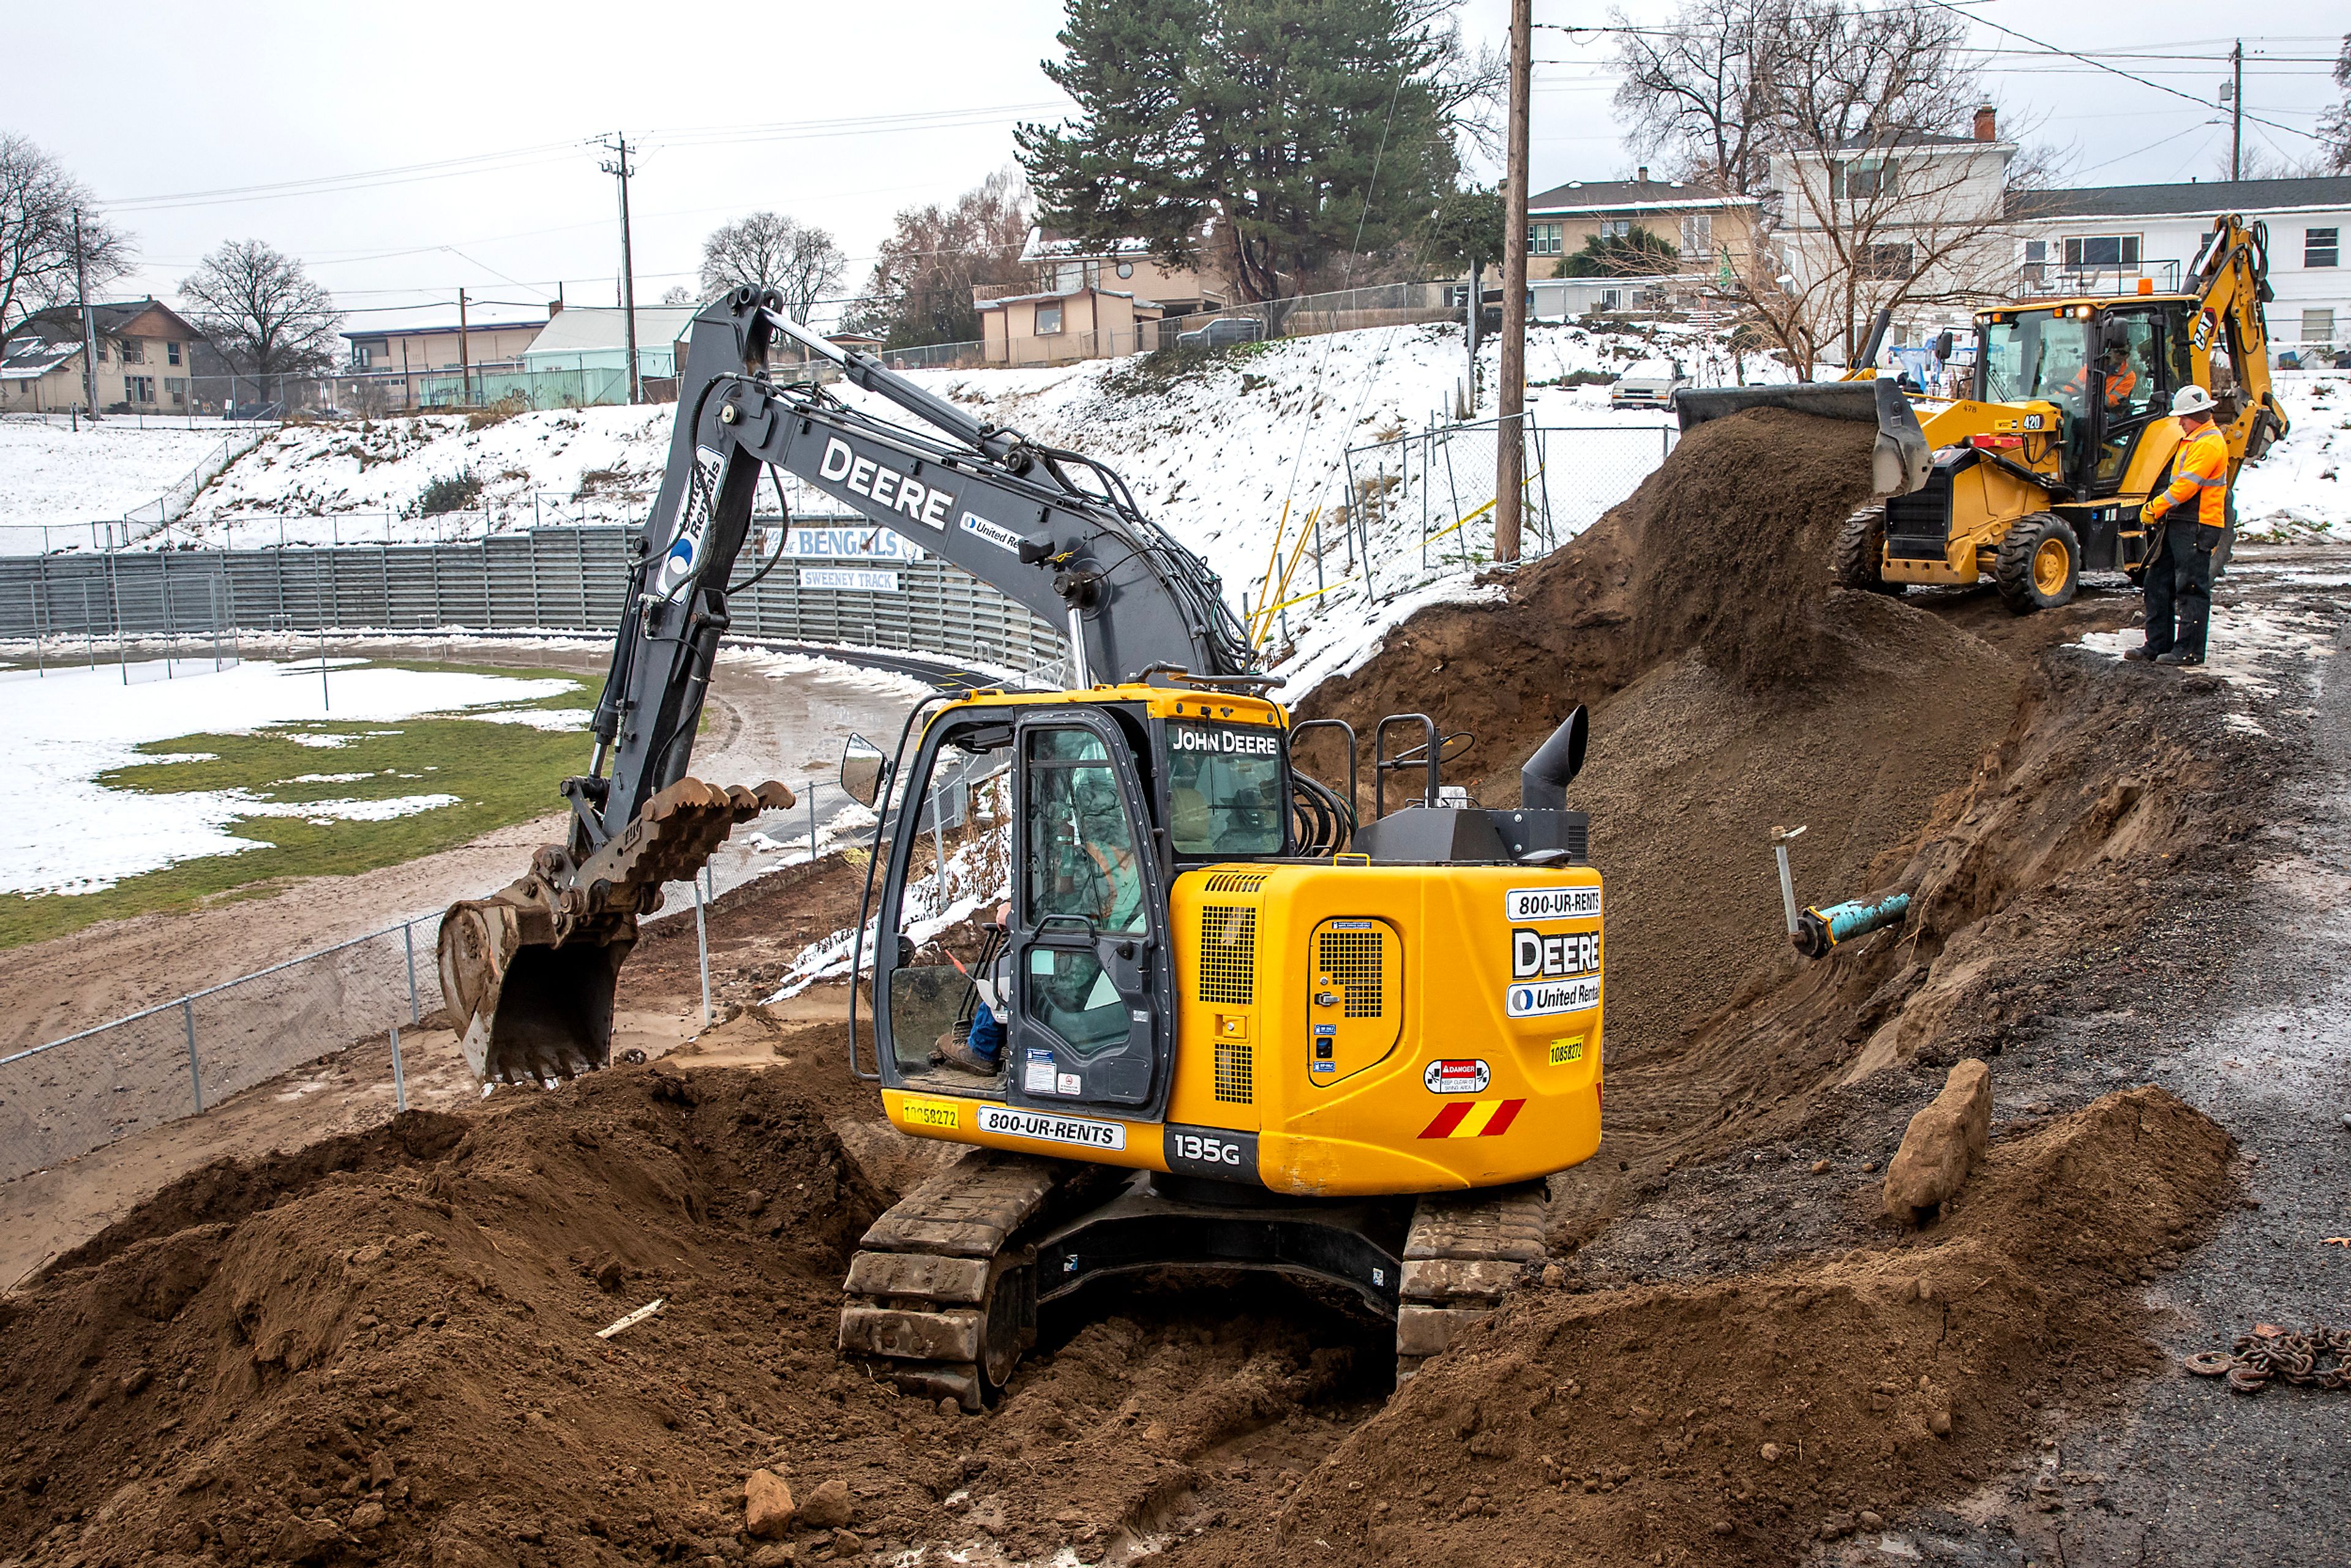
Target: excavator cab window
1226 784
2045 356
1088 948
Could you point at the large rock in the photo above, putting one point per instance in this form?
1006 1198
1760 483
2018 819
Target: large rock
1942 1144
829 1507
767 1506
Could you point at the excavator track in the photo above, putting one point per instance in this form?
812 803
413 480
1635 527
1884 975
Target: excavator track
940 1295
1463 1253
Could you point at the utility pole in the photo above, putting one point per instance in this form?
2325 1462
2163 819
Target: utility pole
1509 429
2237 112
464 362
620 166
88 324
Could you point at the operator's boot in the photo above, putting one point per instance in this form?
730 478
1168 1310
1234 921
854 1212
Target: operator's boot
953 1050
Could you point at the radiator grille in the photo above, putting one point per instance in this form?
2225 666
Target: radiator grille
1233 1084
1237 881
1229 954
1918 524
1353 960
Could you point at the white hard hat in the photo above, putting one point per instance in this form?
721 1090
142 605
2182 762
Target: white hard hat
2191 399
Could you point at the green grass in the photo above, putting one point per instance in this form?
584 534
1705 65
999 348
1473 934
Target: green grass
500 773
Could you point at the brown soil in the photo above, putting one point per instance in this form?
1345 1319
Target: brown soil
382 1348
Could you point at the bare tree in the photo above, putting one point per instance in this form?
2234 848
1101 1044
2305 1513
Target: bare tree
1858 128
767 250
262 311
1702 93
38 201
2334 125
921 290
677 294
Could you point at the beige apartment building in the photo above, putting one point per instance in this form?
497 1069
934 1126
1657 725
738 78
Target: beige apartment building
145 349
1703 222
1086 323
396 361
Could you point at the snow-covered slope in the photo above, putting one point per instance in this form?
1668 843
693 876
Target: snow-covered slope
2302 488
52 476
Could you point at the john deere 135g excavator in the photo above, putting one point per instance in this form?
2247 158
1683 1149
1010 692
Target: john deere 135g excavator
1241 1028
2040 474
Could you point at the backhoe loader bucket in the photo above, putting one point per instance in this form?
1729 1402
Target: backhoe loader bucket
529 973
1901 459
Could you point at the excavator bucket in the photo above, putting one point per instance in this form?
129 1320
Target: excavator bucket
529 973
1900 461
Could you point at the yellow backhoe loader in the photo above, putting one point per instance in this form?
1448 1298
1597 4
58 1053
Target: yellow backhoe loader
2040 473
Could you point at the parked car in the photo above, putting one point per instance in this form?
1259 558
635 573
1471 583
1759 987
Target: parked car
1222 332
256 411
1648 383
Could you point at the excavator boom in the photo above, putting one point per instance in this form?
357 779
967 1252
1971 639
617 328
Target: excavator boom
529 973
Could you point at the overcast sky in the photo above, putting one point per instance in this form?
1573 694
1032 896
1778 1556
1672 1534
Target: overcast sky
427 147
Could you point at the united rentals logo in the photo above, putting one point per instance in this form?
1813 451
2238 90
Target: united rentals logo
678 561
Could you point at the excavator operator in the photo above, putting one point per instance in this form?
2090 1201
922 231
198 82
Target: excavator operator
2180 574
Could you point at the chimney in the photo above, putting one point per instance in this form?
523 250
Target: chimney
554 309
1642 174
1987 123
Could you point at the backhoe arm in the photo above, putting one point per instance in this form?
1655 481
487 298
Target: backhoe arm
2231 273
529 972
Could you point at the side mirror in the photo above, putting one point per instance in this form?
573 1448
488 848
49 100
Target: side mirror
2158 403
863 770
1943 347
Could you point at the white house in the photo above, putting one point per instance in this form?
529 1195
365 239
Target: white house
2101 239
1915 213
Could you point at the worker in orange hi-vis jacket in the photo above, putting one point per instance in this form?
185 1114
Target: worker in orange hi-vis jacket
2190 514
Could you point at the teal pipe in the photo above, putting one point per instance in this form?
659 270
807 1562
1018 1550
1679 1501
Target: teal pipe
1819 930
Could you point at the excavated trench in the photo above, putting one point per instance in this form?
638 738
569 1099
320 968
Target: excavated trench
385 1349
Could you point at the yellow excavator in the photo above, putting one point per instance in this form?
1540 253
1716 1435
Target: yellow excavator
1242 1025
2040 473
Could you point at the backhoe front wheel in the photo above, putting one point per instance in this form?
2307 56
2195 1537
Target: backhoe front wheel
1858 560
2038 565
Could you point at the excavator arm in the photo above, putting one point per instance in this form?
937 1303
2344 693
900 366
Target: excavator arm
2231 274
529 972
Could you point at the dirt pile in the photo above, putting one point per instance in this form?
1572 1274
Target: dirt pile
1734 1421
388 1347
1716 552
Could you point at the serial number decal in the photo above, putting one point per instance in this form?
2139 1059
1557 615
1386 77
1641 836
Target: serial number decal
1540 999
1052 1129
1224 742
1536 954
1564 1051
1552 903
1466 1075
943 1113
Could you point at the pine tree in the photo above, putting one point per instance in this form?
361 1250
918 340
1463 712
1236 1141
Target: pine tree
1271 136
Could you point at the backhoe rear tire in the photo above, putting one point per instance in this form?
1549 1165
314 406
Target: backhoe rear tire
2038 565
1858 561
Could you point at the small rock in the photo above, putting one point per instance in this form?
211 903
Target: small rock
1724 1527
1836 1526
611 1276
367 1516
949 1404
1554 1276
1940 1422
829 1507
1820 1168
1870 1165
845 1544
767 1506
776 1554
366 1255
754 1201
1155 1433
1941 1144
1871 1521
1771 1453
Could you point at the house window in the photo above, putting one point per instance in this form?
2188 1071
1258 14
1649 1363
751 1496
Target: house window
359 358
172 353
1615 228
1864 180
1543 239
2091 253
1048 319
138 389
1884 261
2318 327
2322 248
134 351
175 389
1697 234
2036 260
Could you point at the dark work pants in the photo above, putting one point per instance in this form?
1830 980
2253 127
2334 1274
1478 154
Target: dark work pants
2180 587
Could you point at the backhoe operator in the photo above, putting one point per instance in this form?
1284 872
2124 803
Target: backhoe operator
2178 582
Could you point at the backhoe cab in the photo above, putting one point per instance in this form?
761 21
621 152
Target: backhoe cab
2040 473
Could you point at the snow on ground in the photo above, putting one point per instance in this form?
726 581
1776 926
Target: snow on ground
2301 489
2245 646
589 465
52 476
67 726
